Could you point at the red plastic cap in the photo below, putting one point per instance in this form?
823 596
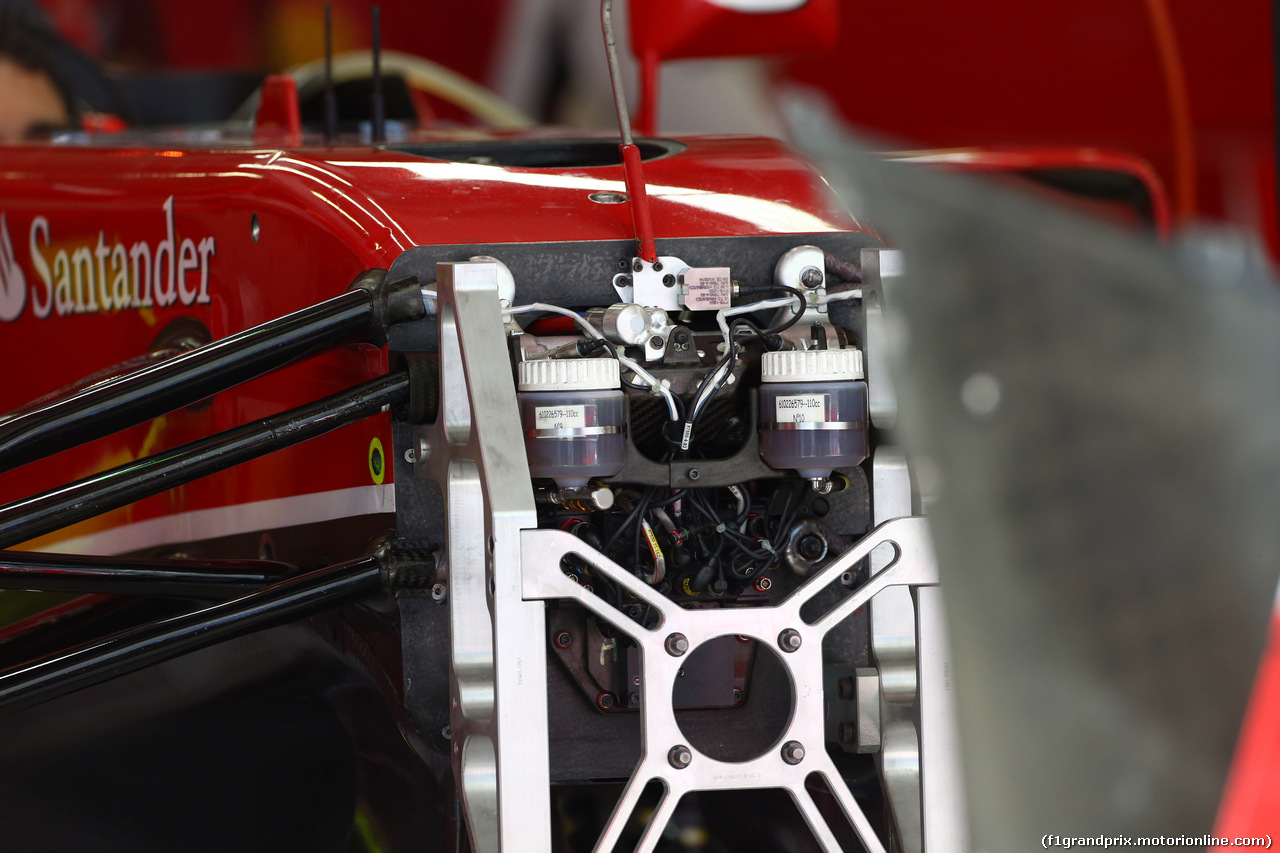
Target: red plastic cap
278 120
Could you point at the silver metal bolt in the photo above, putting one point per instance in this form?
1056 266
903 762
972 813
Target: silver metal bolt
676 645
408 456
447 733
792 752
789 640
811 277
680 756
438 592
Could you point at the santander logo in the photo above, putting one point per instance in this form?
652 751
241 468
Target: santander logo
98 277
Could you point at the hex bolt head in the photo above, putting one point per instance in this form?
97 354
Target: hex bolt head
637 265
676 644
811 546
668 280
439 591
680 756
564 639
656 342
848 733
606 701
694 473
792 752
844 688
789 640
811 277
657 266
624 265
635 698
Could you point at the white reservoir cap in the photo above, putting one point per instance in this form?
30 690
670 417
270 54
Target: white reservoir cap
812 365
569 374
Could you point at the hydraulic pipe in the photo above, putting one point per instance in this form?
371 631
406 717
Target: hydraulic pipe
128 651
25 519
361 313
215 579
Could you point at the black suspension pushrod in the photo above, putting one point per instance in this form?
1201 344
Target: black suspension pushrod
215 579
49 511
130 650
361 313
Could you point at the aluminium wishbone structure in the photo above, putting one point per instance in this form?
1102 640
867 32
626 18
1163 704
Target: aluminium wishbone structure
783 765
502 569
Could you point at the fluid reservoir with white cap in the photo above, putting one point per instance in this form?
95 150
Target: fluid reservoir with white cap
573 418
813 410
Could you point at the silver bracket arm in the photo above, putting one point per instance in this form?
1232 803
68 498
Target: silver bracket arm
497 678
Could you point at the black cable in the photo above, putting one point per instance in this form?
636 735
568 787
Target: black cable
795 318
644 507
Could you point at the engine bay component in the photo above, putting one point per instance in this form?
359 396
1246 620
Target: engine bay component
813 407
572 414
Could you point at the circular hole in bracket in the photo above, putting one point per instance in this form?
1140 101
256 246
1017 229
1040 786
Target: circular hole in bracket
716 715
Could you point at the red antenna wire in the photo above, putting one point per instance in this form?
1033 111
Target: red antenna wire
632 168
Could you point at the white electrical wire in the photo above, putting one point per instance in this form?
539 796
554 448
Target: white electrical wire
655 387
724 314
723 371
763 305
855 293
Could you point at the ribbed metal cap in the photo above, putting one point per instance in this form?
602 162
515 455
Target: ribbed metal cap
569 374
813 365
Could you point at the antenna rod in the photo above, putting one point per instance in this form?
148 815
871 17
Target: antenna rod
379 123
632 170
330 99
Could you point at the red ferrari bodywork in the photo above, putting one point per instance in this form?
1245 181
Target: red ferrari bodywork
236 236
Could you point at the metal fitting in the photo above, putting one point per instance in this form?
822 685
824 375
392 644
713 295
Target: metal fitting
680 756
793 752
789 640
677 644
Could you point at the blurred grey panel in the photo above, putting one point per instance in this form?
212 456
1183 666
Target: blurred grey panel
1102 420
